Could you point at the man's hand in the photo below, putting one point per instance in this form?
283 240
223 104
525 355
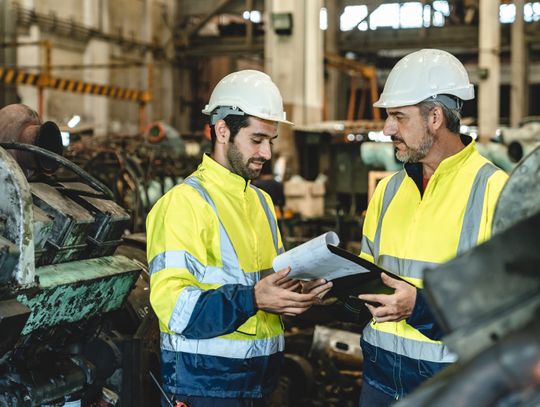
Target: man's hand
393 307
275 293
320 286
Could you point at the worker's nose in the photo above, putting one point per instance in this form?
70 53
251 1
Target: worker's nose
390 127
265 150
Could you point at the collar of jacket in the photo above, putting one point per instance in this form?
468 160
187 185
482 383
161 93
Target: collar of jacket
212 171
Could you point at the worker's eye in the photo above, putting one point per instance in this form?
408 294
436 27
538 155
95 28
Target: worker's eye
271 142
256 141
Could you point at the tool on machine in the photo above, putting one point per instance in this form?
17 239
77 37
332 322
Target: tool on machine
170 401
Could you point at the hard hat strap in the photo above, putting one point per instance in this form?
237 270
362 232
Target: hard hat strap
223 111
451 102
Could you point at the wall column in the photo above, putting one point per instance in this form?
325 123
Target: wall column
519 90
295 63
96 108
489 69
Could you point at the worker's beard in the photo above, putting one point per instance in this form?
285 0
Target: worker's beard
240 166
414 155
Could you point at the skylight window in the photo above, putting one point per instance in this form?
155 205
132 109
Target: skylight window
411 15
415 14
351 17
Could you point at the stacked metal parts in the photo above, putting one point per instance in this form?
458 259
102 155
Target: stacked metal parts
59 282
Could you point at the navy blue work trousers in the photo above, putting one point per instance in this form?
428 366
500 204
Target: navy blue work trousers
371 397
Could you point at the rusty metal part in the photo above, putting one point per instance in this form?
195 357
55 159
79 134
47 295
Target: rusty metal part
111 220
343 347
73 291
13 317
19 123
17 215
72 224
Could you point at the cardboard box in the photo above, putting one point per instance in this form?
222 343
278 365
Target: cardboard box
305 197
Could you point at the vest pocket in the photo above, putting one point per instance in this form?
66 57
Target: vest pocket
424 369
249 327
370 353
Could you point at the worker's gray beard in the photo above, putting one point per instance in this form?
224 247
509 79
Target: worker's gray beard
414 155
238 166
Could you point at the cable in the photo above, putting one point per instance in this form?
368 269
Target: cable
94 183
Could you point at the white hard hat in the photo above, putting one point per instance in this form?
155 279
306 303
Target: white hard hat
249 91
425 74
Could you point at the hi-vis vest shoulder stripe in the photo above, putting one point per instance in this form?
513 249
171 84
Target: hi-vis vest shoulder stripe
216 275
469 229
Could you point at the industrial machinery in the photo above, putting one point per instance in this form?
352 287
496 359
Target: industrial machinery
138 169
72 314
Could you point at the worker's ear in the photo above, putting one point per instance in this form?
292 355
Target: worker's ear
436 118
222 132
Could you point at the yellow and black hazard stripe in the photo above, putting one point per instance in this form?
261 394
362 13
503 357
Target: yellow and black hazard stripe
17 77
20 77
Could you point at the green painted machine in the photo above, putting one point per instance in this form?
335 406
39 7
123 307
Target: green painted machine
70 310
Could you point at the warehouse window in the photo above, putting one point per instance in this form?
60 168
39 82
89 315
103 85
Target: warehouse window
323 19
386 15
351 17
531 11
411 15
507 13
254 15
414 14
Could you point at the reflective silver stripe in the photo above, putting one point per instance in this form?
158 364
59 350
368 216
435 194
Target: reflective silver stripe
204 274
177 259
473 212
270 216
229 348
183 308
420 350
389 193
366 246
405 267
229 257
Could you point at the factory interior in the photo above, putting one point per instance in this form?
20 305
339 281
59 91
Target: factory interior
103 116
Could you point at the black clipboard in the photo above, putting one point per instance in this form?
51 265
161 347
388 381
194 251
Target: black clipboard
347 289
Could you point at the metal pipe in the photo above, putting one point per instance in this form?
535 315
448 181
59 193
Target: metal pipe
21 124
94 183
520 148
380 155
498 154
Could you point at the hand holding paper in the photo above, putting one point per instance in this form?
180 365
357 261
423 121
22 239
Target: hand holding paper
275 293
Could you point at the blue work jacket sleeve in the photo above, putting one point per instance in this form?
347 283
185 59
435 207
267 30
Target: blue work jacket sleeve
423 320
220 311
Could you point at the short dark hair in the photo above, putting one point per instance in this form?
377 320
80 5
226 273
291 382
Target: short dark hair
234 123
452 117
